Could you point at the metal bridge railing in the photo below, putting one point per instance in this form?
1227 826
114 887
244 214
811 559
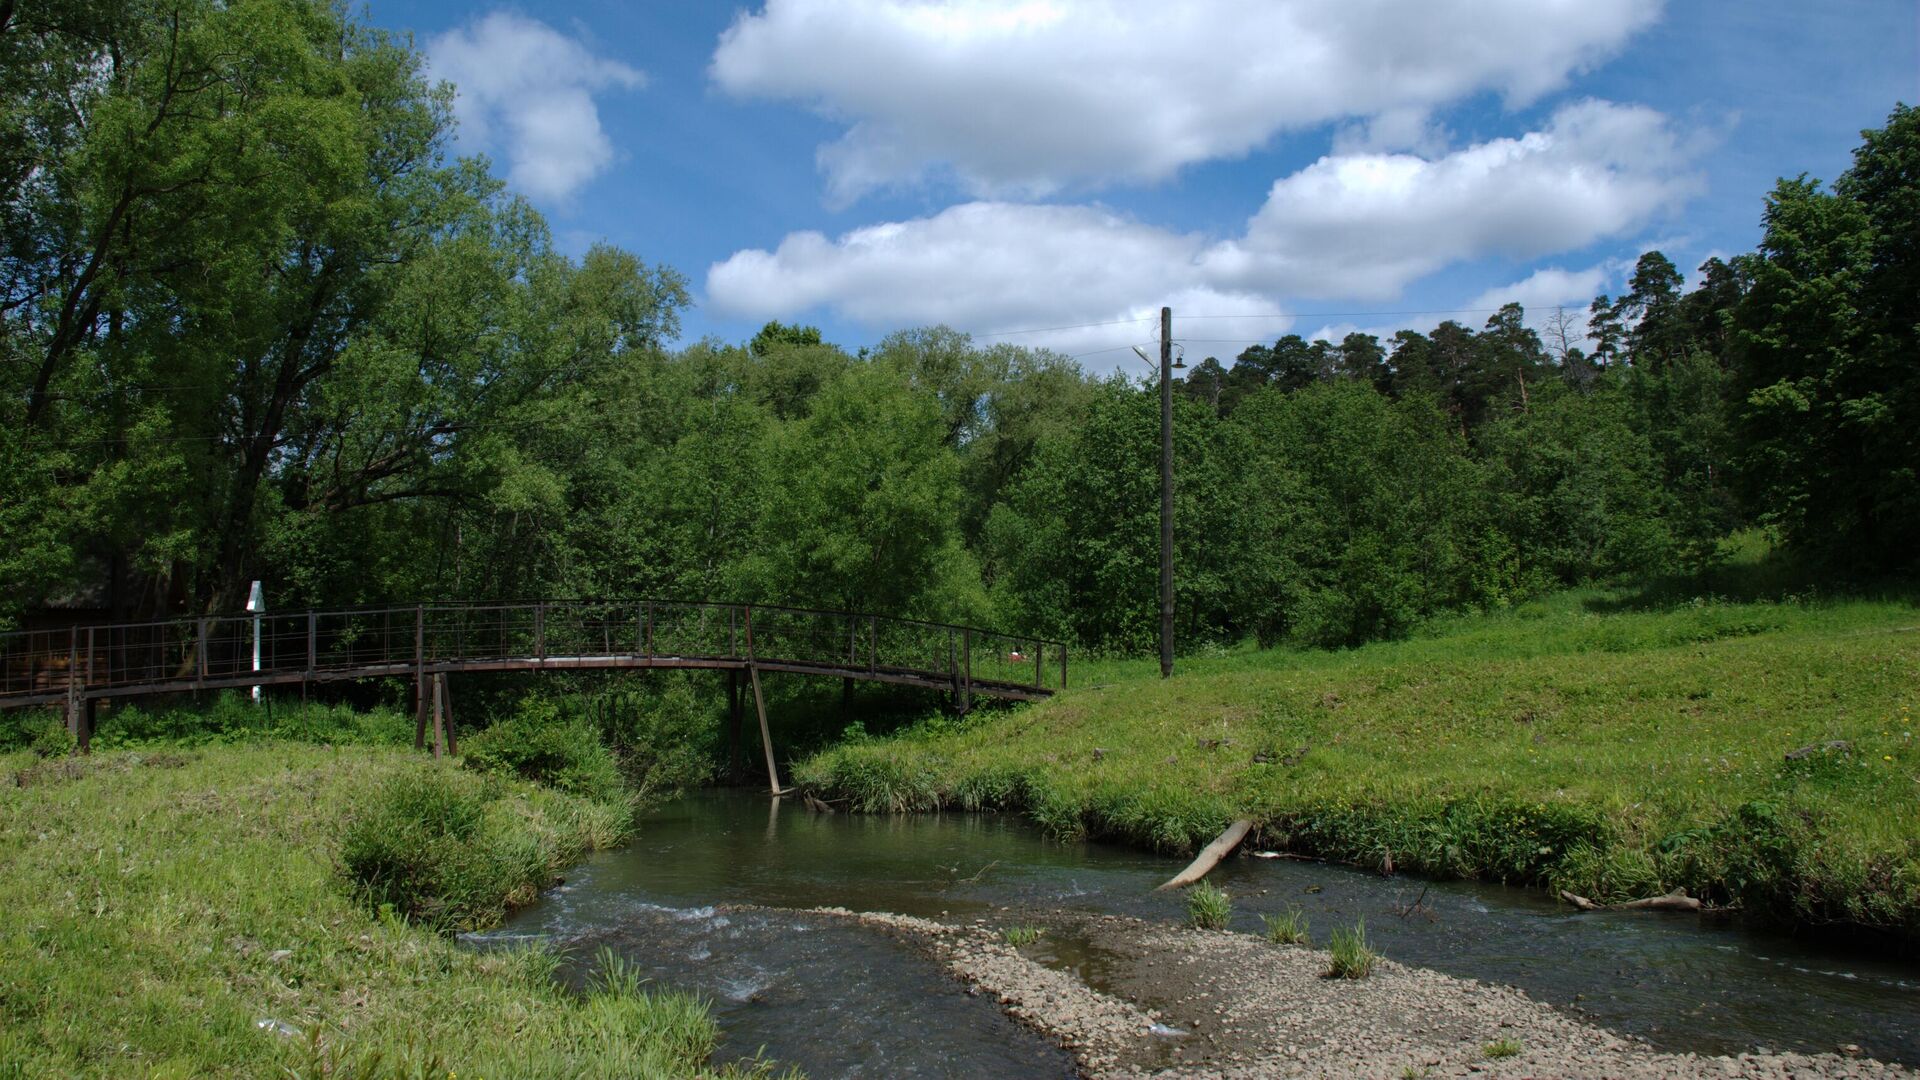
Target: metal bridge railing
39 666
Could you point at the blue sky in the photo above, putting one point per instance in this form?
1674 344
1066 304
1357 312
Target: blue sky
1307 166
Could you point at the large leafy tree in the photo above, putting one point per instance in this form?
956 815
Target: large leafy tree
1826 386
252 311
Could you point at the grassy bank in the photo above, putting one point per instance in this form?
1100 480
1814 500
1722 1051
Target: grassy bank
190 912
1614 744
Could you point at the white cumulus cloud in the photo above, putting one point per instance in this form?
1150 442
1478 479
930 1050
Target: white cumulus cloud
1025 97
1365 225
1358 225
1547 289
526 92
982 266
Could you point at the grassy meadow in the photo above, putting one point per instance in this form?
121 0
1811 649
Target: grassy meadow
1613 743
186 912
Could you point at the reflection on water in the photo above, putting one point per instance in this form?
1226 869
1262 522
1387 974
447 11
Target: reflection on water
830 997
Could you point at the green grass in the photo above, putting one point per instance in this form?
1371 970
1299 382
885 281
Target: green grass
1350 957
1287 928
1018 936
175 913
1616 744
1208 907
1501 1048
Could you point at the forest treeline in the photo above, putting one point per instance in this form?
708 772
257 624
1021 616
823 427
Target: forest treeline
258 321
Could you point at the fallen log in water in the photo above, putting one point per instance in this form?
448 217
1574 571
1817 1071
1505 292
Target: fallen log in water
1210 855
1677 900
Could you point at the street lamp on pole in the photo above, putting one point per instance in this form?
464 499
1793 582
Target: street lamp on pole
1167 366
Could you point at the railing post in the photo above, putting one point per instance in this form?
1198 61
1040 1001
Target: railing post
649 630
419 676
1063 666
1039 652
203 650
313 641
966 662
540 630
749 619
89 656
873 644
733 630
73 677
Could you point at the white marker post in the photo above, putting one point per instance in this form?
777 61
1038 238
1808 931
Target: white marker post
256 603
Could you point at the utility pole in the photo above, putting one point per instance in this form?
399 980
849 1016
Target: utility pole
1166 492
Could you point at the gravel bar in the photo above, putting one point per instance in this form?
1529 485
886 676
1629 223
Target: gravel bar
1174 1002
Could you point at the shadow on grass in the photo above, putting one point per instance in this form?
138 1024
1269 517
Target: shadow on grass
1753 574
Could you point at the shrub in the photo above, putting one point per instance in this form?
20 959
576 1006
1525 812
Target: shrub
536 743
1352 959
53 740
232 716
1287 928
422 848
663 741
1208 907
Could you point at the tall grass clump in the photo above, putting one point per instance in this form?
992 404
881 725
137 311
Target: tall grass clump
453 851
1501 1048
1351 959
1208 907
1018 936
1286 928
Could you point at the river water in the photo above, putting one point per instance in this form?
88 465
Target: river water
844 1001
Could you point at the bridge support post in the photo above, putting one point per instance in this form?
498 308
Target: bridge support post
766 736
419 678
735 767
75 692
443 743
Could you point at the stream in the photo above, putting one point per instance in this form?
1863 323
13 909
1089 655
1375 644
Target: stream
840 1000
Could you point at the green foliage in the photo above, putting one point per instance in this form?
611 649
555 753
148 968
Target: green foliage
214 873
1020 936
1348 954
537 742
1603 742
1501 1048
53 740
663 739
1827 398
233 717
1208 906
443 848
873 783
1287 928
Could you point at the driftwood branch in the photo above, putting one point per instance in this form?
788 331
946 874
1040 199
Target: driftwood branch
1677 900
1211 855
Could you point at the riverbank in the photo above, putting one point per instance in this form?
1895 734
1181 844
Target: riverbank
183 912
1216 1004
1759 754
